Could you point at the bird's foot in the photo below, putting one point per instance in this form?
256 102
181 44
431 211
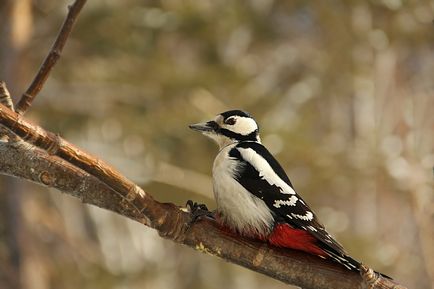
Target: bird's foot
198 211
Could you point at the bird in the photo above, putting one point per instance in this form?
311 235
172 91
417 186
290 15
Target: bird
254 195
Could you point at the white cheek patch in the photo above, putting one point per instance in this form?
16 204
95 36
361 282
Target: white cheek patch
265 170
243 125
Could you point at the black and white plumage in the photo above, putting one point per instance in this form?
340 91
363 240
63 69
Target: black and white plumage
254 195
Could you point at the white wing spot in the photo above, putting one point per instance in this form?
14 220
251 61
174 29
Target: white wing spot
289 216
307 217
290 202
312 228
341 258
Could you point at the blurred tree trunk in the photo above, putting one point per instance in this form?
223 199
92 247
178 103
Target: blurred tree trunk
10 227
16 22
17 28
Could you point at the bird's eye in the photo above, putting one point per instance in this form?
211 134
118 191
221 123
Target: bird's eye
230 121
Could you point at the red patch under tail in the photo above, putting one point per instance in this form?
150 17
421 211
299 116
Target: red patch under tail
284 235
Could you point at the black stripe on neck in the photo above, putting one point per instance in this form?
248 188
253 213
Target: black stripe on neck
253 136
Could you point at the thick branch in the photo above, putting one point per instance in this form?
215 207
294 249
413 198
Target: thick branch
26 99
101 185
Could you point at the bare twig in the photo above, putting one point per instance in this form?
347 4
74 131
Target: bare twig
51 59
5 96
104 187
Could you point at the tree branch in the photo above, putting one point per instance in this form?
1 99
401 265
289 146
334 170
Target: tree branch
35 87
5 96
77 173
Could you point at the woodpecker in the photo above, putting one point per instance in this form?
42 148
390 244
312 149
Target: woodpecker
255 197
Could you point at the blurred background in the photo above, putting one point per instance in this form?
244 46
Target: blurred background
343 92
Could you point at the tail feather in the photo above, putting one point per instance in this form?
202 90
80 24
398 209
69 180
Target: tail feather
345 260
349 262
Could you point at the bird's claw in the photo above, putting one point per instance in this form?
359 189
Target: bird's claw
198 211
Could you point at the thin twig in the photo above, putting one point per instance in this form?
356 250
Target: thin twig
6 100
100 184
35 87
5 96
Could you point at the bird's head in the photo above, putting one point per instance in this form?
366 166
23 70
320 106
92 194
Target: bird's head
229 127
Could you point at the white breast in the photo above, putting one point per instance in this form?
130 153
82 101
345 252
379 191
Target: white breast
238 208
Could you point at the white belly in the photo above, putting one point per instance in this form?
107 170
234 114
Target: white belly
240 210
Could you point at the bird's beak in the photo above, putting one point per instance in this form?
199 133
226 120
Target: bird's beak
209 126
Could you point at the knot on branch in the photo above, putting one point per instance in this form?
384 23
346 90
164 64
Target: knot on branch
47 179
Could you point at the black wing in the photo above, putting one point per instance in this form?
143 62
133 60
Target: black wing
282 199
